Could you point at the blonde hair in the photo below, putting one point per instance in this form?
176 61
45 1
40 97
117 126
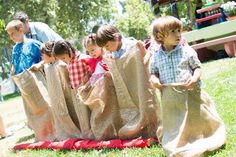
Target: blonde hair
162 25
16 24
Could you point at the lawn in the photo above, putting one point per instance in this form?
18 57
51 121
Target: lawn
219 80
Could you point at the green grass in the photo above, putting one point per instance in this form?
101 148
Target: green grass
219 79
10 96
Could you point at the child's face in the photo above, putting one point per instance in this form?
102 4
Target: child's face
48 58
173 37
112 46
17 36
94 51
64 57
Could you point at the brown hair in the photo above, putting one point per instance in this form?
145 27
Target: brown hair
22 16
161 26
17 24
107 33
63 47
47 48
89 40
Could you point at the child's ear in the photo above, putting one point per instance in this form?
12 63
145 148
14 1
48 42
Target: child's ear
117 38
21 30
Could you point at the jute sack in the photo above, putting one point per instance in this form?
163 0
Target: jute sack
137 100
32 86
105 117
78 111
64 125
191 125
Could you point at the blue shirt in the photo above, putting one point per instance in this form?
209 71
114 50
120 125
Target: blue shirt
25 54
175 66
42 32
126 43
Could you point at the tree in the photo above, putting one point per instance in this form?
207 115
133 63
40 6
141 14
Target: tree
136 19
72 19
77 18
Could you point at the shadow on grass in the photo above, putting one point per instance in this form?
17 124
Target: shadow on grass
25 138
10 96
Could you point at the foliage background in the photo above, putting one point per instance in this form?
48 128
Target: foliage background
73 19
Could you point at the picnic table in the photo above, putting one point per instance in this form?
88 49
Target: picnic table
222 33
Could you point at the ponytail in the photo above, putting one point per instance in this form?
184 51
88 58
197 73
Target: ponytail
63 47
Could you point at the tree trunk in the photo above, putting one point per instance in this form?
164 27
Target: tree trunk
190 16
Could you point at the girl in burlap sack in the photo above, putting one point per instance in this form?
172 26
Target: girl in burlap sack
96 63
78 68
78 72
191 125
65 120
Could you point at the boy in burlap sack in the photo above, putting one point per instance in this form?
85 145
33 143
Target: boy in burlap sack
26 52
136 99
191 125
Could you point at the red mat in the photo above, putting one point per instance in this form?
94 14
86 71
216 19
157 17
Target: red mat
76 144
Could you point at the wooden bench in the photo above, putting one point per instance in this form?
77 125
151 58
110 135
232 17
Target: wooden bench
218 34
203 10
229 44
212 12
211 17
214 42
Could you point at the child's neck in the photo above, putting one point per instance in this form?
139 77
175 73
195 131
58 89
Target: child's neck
21 40
98 57
167 47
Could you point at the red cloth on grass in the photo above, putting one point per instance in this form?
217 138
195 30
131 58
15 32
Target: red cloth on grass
76 144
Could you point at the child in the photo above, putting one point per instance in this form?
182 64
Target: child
110 38
48 58
138 106
175 70
46 51
26 52
98 68
169 39
79 70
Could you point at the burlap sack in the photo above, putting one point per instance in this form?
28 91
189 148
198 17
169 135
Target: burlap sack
138 104
191 125
64 125
105 117
32 86
78 111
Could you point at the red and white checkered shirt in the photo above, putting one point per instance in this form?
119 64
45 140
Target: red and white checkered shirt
79 70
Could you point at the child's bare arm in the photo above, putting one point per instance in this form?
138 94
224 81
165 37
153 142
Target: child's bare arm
192 81
142 49
156 82
12 72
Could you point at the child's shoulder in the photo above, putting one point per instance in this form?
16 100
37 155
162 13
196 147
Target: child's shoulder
32 42
129 40
188 49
